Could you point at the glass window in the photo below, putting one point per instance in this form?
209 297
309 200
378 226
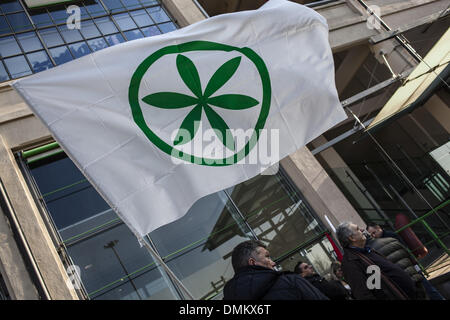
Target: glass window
133 34
114 266
39 61
132 4
9 46
51 37
41 19
70 35
114 39
89 30
276 213
97 44
141 18
4 27
106 26
114 5
19 21
59 16
158 14
95 9
11 6
167 27
3 74
79 49
29 41
207 234
124 21
151 31
17 66
61 55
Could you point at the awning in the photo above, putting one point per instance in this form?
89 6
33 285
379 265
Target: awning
420 84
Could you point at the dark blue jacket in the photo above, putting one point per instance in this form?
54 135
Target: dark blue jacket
259 283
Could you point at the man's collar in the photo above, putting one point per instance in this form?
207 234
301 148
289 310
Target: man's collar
366 249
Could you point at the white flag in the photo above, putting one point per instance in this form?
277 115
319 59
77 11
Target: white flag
157 123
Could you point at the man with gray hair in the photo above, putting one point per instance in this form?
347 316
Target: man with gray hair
256 279
369 274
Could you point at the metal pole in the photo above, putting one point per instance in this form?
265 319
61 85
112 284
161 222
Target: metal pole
165 266
111 245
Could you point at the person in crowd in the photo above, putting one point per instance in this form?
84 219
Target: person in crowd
385 281
397 253
332 289
256 279
337 275
376 231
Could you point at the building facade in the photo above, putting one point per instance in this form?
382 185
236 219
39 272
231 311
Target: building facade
55 227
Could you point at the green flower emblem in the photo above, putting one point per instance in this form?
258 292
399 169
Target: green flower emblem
203 100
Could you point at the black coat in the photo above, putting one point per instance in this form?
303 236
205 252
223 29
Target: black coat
333 289
259 283
355 274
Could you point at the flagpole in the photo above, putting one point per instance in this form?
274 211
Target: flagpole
165 266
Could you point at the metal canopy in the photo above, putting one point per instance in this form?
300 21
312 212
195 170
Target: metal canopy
420 84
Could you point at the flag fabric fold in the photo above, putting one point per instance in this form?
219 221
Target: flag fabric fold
157 123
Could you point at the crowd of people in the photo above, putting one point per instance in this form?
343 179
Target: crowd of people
375 266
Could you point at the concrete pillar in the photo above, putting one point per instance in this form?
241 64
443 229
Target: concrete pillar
34 229
319 190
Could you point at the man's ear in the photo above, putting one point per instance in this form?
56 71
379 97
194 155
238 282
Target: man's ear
251 261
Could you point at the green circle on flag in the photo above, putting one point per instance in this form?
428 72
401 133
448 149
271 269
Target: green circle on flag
202 100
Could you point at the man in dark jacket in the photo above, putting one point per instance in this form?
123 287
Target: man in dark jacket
377 232
256 279
334 290
358 264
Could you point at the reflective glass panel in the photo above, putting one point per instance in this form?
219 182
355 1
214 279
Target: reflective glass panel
19 21
4 27
29 41
79 49
114 266
167 27
89 30
158 14
61 55
114 39
10 6
3 74
41 19
276 213
124 21
59 15
151 31
132 4
51 37
200 252
106 26
95 9
114 5
17 66
39 61
70 35
141 18
9 46
133 34
97 44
